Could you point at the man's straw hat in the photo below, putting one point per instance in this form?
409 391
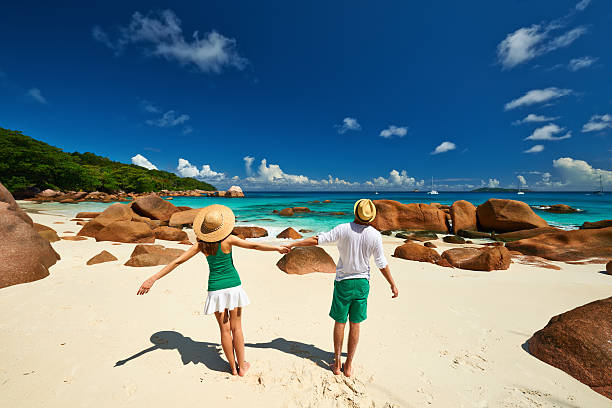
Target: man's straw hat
365 210
214 223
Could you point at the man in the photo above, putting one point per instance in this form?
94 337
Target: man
357 241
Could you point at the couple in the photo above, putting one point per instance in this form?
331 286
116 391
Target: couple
357 241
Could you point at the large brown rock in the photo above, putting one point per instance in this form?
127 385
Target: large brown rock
568 245
152 255
463 216
522 234
126 231
300 209
393 215
46 232
154 207
24 255
303 260
609 268
578 342
286 212
289 233
103 256
507 215
114 212
183 218
596 224
479 259
416 252
7 197
250 232
560 209
170 234
88 214
234 192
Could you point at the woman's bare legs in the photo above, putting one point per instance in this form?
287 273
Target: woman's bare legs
226 338
238 340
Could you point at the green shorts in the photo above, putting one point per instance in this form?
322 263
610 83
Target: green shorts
350 299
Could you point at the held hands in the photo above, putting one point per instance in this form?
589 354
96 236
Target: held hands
146 286
394 291
283 249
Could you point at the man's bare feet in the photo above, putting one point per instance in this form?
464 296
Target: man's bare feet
242 370
348 370
336 367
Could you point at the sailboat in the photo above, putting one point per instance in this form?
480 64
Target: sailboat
519 190
600 192
434 192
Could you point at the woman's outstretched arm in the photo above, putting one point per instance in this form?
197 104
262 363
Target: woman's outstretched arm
239 242
146 285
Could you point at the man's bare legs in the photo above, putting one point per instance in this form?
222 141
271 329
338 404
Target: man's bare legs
338 340
352 347
226 339
238 340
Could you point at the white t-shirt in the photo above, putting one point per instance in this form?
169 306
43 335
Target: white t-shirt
356 244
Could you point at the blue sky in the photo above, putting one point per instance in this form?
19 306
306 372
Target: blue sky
319 94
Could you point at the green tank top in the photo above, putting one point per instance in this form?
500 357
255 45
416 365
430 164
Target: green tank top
222 273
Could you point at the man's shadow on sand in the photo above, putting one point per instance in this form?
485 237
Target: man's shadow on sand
196 352
318 356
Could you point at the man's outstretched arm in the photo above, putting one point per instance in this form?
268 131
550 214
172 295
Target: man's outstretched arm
312 241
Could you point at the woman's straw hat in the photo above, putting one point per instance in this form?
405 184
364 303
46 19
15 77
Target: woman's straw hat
365 210
214 223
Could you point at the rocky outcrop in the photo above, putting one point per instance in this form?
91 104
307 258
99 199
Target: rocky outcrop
507 215
479 259
88 214
154 207
416 252
596 224
7 197
152 255
393 215
289 233
46 232
250 232
531 260
609 268
473 234
301 209
102 257
463 216
73 238
303 260
234 192
559 209
568 245
183 218
420 236
170 234
114 212
126 231
453 239
578 342
24 255
286 212
522 234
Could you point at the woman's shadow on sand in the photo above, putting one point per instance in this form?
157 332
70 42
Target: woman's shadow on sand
196 352
318 356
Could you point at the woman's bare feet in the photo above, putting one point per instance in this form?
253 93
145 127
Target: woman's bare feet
242 370
348 370
336 367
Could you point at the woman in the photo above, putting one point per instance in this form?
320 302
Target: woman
226 298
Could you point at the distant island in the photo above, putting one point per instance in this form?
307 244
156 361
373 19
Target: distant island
497 190
29 163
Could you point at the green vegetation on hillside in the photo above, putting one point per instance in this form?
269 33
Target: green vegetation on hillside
26 162
496 190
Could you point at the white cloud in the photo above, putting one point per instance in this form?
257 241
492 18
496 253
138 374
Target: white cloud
186 169
142 161
597 123
162 35
581 175
36 95
274 174
149 107
394 131
547 133
582 4
168 119
535 149
581 63
492 183
533 118
527 43
187 130
537 96
522 180
444 147
397 179
248 162
348 124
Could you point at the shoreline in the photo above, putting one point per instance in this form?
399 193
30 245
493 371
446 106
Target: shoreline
455 337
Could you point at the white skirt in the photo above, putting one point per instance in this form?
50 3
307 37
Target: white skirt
230 298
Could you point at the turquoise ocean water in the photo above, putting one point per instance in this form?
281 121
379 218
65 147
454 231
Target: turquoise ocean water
257 207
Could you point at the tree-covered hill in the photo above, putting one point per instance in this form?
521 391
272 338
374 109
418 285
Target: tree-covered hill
26 162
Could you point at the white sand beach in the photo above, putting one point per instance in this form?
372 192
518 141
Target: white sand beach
454 338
